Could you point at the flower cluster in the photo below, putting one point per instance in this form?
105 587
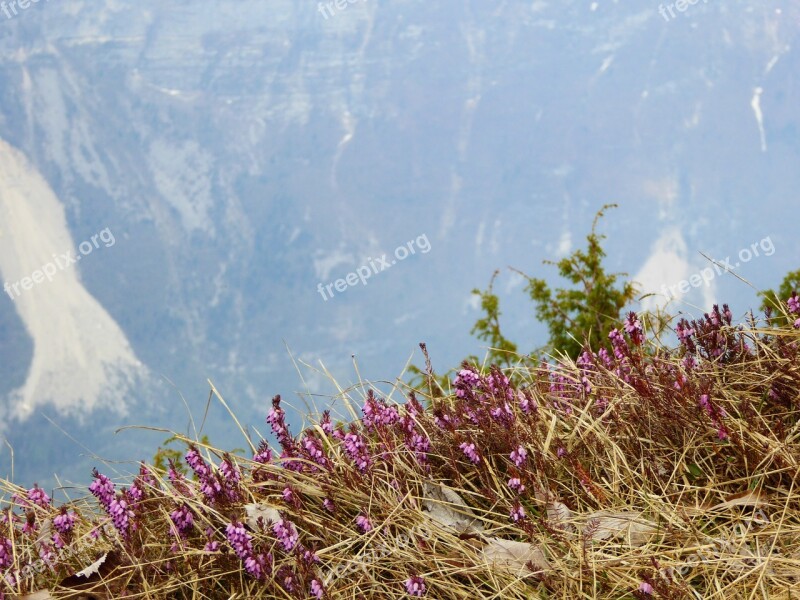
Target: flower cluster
242 543
286 533
183 520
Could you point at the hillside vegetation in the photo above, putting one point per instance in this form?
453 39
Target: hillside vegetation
628 469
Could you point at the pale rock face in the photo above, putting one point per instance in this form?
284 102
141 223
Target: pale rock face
81 359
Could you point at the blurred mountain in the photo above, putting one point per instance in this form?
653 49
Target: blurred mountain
241 154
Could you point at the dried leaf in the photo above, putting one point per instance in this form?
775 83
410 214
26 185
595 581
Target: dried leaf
447 508
40 595
514 557
270 514
749 498
559 514
92 569
605 524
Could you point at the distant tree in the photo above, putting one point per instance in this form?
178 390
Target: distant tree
583 312
772 303
590 309
501 350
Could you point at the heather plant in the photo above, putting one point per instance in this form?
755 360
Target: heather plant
635 470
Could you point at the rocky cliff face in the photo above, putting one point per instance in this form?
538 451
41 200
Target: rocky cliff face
244 153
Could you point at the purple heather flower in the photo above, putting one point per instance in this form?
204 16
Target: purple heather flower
37 496
415 586
704 403
377 412
316 589
356 450
328 505
527 405
277 422
470 452
229 471
503 414
646 588
561 452
211 546
309 556
794 304
285 577
286 533
209 485
519 456
605 358
241 541
515 484
364 524
727 314
325 423
420 445
797 324
443 420
634 328
198 465
264 454
146 476
135 493
58 541
178 481
618 344
517 513
65 521
120 515
102 488
6 553
465 381
585 361
183 519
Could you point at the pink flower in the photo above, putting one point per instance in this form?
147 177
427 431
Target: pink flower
517 513
633 328
519 456
364 524
646 588
470 452
316 589
794 304
515 484
415 586
65 521
38 496
286 533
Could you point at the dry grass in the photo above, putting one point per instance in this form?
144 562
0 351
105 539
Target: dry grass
647 473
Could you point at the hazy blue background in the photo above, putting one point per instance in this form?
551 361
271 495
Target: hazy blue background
244 152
